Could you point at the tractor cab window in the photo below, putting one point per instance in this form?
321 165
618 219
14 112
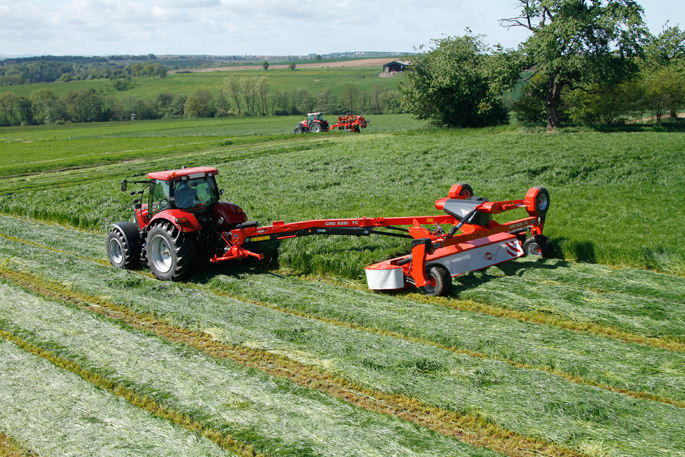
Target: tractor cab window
159 197
314 116
196 195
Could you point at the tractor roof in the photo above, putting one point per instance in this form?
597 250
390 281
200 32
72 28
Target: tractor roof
175 175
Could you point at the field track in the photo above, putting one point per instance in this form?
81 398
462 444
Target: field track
488 381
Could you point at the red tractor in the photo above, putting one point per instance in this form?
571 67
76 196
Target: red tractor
314 123
182 221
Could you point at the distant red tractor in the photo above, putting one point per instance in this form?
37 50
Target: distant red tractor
182 221
314 123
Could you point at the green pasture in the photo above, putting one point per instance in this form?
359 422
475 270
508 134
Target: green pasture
313 79
602 374
615 197
529 401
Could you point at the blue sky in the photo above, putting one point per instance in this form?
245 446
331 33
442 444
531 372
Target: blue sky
261 27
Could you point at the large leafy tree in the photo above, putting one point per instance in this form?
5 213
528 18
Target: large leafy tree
452 84
579 43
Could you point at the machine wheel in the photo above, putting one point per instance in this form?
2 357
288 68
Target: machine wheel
298 130
315 128
466 190
121 254
170 253
439 281
538 245
542 202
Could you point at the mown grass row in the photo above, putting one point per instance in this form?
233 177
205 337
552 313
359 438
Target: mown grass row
379 434
497 393
58 408
577 358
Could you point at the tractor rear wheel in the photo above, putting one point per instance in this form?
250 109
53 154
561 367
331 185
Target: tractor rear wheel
315 128
538 245
120 252
439 281
170 252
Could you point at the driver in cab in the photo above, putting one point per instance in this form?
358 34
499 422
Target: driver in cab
186 195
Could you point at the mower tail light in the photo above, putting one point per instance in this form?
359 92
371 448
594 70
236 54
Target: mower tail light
181 220
239 210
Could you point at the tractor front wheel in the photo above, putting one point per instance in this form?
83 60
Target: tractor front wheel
538 245
120 252
298 130
439 281
170 252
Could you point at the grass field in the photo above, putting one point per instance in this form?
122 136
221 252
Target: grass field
293 356
313 79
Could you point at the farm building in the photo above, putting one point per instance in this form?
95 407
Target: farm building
396 65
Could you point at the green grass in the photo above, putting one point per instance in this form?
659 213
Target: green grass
313 79
58 413
222 394
528 401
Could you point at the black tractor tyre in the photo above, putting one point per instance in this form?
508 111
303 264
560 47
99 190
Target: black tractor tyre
538 245
315 127
442 279
121 252
298 130
542 202
170 252
466 190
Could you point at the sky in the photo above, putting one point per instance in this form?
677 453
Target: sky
261 27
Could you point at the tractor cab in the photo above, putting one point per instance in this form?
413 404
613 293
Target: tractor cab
314 117
189 189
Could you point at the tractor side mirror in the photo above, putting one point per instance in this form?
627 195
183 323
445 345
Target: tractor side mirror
124 184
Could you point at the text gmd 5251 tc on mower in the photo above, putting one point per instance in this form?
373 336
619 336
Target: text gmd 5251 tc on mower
184 222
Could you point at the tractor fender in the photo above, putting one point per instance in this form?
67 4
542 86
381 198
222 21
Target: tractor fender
131 234
183 220
232 214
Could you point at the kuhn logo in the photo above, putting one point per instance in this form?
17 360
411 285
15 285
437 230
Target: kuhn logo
489 255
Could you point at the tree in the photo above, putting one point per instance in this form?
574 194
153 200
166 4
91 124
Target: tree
262 92
665 91
200 104
349 99
450 84
11 109
579 42
41 100
232 88
326 101
292 65
265 65
84 106
317 57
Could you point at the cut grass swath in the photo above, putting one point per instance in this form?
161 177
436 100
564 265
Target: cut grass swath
288 420
49 403
421 374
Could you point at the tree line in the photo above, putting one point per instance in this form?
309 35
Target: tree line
50 71
584 60
247 96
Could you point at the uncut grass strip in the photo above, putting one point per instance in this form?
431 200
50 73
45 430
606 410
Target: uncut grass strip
49 404
277 415
522 400
11 448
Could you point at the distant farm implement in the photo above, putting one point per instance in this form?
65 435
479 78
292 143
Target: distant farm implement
184 222
315 123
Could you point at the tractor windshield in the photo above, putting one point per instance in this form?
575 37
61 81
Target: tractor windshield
196 195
